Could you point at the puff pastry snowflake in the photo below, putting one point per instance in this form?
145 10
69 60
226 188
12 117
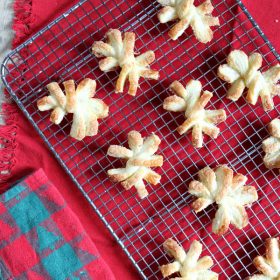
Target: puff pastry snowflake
140 157
269 265
86 110
119 52
271 145
243 72
187 264
192 102
228 192
199 18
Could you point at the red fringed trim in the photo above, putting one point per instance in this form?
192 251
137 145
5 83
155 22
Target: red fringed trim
21 25
7 143
22 20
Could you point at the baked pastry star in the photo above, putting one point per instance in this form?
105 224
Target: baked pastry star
243 72
199 18
86 110
271 145
187 263
220 186
269 266
119 52
139 158
192 102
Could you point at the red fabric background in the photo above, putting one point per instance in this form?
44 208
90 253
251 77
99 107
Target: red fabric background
266 13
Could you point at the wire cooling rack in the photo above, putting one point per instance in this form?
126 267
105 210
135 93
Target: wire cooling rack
61 51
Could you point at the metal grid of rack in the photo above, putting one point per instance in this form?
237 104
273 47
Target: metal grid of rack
61 51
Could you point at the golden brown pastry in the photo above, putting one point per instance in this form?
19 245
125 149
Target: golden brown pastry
187 264
243 72
139 158
269 266
199 18
271 145
86 110
119 52
192 102
228 192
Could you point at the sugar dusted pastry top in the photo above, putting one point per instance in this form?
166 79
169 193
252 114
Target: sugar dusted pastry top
187 263
199 18
86 110
139 158
243 72
119 52
268 266
193 103
271 145
220 186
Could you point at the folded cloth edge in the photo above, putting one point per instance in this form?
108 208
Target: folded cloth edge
34 182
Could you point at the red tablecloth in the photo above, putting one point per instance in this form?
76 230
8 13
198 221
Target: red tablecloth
267 15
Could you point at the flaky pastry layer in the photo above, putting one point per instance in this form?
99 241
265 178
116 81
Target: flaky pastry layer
118 52
78 101
184 11
228 191
243 72
187 263
191 101
139 159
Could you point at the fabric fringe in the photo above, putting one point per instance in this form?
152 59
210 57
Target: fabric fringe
8 132
22 20
8 143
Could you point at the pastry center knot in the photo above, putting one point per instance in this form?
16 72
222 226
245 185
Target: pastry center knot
271 145
86 110
193 101
139 159
119 52
199 18
229 192
242 71
187 263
